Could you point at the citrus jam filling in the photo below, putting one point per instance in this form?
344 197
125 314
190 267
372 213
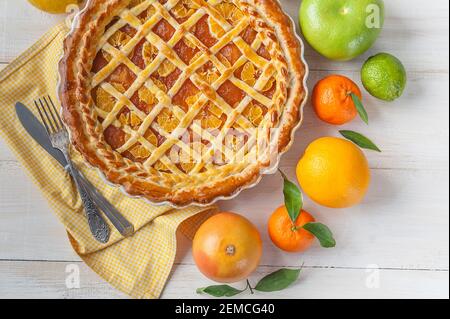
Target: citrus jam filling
127 122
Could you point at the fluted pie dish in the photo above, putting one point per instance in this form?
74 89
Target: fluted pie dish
182 101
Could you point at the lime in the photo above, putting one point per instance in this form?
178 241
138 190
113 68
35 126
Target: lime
384 76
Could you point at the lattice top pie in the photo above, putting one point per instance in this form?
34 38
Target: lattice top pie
182 101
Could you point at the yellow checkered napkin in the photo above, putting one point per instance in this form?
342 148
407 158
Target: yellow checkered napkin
139 265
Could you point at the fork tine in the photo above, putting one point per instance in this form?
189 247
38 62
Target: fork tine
49 121
52 114
42 117
61 124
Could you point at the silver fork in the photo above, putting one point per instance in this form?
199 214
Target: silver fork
60 140
124 227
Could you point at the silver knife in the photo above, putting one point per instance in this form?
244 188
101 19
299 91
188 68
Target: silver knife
37 131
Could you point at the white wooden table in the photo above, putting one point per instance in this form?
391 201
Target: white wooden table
394 245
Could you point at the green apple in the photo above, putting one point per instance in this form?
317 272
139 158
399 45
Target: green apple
341 29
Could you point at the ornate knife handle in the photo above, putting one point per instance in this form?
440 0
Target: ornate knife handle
124 227
98 226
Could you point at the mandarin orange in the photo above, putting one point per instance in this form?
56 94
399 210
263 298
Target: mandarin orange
287 235
332 100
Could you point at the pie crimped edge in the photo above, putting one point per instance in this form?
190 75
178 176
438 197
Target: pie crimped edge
74 72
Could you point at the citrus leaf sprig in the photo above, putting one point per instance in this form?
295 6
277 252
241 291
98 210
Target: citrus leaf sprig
276 281
322 233
360 140
360 108
293 200
356 137
220 291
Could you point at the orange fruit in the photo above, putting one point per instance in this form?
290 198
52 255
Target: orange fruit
332 99
287 235
227 247
52 6
334 172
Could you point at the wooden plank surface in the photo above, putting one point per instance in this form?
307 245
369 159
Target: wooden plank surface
48 280
402 226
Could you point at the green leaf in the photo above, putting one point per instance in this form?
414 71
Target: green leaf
293 199
278 280
219 291
322 233
360 108
360 140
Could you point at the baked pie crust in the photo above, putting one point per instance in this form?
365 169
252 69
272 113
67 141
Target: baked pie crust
182 101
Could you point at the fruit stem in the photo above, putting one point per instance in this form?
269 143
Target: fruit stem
282 174
250 287
230 250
